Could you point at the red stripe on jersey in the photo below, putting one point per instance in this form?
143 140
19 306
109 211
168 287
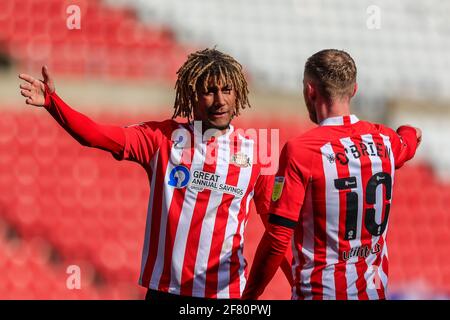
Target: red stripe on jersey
385 266
320 236
220 225
156 217
173 218
298 239
347 120
343 245
387 168
201 204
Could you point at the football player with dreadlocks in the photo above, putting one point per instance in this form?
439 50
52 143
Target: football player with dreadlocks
202 177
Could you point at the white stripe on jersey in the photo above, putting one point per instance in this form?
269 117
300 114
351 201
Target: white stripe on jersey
176 154
351 274
383 276
184 224
232 225
332 223
207 230
148 226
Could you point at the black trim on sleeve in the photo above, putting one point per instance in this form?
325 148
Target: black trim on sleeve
282 221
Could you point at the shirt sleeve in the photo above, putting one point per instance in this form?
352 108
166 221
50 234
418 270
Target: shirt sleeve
263 192
404 143
143 140
290 182
83 129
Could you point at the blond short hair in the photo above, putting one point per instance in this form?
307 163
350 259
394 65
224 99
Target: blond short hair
335 73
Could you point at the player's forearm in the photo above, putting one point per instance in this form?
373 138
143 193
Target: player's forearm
285 265
287 270
83 129
268 257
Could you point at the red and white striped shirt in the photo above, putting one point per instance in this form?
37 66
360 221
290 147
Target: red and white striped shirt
336 180
198 207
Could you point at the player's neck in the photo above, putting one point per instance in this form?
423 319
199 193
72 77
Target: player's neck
207 130
335 109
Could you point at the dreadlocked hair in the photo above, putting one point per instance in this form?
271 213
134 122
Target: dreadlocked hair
200 68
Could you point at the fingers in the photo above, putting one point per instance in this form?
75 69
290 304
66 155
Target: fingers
26 93
47 79
27 78
45 74
418 134
419 131
26 86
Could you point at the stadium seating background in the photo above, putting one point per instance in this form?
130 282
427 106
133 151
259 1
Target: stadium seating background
64 205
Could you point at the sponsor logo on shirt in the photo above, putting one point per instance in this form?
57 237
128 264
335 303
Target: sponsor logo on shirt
277 188
202 180
179 177
362 252
240 159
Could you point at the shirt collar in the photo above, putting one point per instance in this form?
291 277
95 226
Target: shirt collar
339 120
196 131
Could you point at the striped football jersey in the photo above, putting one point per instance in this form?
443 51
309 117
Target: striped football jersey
199 202
336 180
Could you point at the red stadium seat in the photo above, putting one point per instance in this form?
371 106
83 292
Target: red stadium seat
108 42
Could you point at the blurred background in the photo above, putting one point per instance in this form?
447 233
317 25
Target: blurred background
64 205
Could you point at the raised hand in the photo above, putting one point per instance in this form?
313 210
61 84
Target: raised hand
34 89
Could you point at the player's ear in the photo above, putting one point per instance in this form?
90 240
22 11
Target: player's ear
355 88
311 90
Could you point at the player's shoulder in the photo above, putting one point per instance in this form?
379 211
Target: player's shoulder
159 129
313 138
303 144
163 125
378 128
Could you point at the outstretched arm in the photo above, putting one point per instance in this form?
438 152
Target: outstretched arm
87 132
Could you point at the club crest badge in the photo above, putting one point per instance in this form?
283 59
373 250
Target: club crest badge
277 188
330 157
240 159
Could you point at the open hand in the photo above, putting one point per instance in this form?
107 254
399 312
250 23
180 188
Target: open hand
34 89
